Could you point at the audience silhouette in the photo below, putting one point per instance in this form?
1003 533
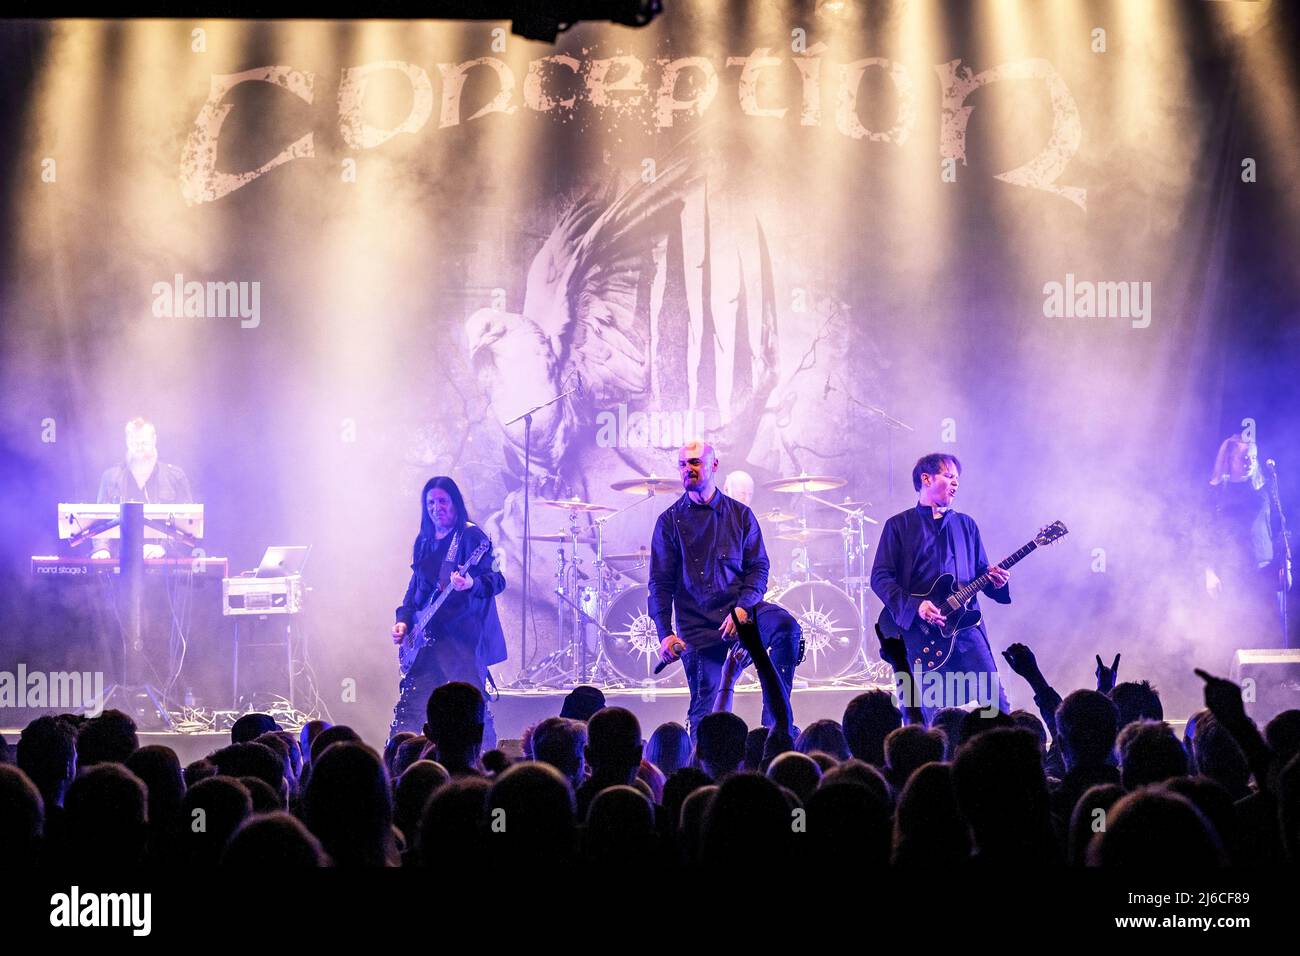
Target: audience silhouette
1100 780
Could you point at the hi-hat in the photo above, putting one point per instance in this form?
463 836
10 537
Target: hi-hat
807 534
776 514
572 504
650 485
805 483
853 509
585 537
846 503
642 555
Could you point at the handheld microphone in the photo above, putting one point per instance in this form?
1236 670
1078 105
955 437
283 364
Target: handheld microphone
662 664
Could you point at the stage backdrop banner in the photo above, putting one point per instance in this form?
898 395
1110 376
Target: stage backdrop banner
330 260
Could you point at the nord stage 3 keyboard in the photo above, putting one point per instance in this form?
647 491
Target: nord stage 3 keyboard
50 565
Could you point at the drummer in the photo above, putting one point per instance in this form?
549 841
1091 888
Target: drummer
706 558
740 485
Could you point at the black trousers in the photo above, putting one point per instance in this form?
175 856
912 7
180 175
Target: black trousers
445 661
779 632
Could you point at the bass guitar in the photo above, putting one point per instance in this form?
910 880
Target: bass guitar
419 635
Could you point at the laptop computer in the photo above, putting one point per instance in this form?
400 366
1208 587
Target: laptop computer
282 560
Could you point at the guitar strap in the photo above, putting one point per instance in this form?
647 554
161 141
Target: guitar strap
448 562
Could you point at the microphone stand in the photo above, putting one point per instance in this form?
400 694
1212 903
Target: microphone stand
893 423
526 557
1284 573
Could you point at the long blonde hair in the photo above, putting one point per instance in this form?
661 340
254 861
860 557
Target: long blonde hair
1222 467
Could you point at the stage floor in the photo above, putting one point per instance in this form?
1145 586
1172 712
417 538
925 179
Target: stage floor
515 710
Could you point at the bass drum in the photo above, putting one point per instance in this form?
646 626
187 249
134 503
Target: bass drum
631 642
832 629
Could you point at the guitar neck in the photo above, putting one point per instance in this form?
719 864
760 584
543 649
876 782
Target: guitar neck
422 618
432 608
1005 564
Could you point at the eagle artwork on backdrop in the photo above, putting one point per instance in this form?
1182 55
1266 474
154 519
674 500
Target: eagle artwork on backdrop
586 318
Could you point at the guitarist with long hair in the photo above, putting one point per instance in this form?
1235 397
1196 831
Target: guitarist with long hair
916 547
452 563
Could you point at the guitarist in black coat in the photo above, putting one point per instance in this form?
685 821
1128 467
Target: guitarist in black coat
466 630
918 545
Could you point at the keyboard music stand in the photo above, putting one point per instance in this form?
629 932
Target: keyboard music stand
129 521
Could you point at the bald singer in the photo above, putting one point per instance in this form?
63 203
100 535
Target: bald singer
706 558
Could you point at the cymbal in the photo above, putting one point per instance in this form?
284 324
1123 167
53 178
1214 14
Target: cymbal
649 485
642 555
804 483
776 514
572 504
807 534
559 536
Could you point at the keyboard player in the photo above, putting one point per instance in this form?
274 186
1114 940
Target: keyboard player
142 477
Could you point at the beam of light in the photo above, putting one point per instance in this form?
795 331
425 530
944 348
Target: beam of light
1269 92
920 203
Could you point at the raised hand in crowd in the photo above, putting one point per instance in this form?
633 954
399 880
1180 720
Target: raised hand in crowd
1223 698
737 660
1106 676
1022 661
893 651
1225 702
776 696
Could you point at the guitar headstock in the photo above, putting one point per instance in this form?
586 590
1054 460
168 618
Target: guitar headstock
1051 533
481 550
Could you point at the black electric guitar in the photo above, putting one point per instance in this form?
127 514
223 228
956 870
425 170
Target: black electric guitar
929 646
422 634
419 635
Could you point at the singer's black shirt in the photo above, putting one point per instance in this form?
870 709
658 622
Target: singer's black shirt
705 559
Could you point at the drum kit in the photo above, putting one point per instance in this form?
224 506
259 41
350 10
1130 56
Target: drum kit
606 598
